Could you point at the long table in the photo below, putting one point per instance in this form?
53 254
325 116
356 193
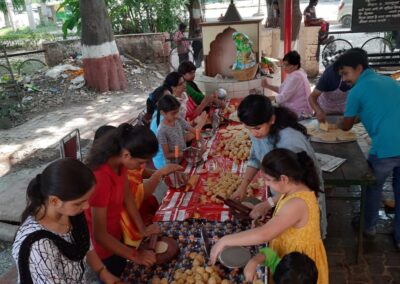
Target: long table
178 205
354 172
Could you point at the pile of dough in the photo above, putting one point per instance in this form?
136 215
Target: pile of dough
161 247
199 273
332 135
235 143
224 186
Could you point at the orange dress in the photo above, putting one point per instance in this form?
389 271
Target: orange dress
147 208
306 239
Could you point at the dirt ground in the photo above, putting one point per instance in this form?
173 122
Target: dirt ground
55 95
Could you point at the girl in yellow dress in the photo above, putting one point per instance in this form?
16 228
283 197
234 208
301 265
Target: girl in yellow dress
295 224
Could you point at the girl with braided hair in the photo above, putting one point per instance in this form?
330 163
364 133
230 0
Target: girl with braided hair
53 241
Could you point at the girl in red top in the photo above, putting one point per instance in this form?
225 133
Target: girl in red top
125 148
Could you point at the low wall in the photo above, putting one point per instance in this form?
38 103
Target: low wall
308 44
150 47
270 42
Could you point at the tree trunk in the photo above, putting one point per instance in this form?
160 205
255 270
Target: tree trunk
296 18
101 60
7 21
11 16
195 16
31 19
43 13
270 14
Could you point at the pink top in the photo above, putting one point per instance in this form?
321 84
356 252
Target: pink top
294 92
182 44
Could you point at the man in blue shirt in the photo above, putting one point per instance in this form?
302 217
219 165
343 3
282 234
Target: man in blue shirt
376 100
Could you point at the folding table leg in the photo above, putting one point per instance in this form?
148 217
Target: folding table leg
360 230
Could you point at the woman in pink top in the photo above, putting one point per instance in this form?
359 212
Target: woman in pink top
295 89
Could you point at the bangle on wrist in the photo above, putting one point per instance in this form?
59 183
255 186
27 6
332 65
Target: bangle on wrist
271 202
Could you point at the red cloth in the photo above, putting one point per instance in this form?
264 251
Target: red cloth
148 209
324 27
109 192
190 109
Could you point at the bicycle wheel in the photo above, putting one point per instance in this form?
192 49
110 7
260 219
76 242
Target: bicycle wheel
174 58
377 45
333 50
5 74
31 66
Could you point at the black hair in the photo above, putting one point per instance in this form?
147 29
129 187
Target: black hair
138 140
151 103
186 67
293 58
313 2
102 130
296 268
68 179
352 58
166 104
257 109
182 27
299 167
172 80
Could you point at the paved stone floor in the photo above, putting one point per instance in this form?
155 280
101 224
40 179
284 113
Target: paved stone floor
380 262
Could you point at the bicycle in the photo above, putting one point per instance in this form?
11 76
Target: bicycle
12 88
334 48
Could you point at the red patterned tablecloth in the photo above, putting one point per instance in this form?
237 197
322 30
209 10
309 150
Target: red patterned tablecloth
179 205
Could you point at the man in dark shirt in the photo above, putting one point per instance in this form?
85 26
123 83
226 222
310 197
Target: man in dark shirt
329 95
197 46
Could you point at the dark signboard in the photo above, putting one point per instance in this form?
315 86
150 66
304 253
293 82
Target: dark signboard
375 15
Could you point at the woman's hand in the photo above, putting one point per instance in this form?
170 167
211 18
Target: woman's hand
144 257
239 194
201 119
250 270
260 210
321 116
216 250
152 229
265 84
208 100
170 168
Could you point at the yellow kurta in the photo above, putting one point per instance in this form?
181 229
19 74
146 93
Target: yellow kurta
307 239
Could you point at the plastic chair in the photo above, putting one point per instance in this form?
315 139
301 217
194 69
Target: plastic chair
70 145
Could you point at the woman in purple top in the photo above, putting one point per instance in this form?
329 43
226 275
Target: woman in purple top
295 89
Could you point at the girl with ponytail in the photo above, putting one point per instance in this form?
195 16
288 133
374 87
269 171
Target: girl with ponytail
121 149
53 242
295 225
270 128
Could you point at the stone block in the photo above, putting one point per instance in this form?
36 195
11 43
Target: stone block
241 86
240 94
254 84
